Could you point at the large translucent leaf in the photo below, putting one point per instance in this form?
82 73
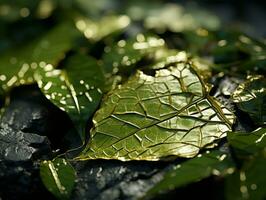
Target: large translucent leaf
250 180
149 118
211 163
76 89
18 65
59 177
250 97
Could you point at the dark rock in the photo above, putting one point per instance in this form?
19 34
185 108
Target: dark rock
19 168
110 180
27 126
19 146
20 180
29 111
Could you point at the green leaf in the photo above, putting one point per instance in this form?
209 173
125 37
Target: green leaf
76 89
249 182
174 17
18 65
210 163
239 53
249 143
250 97
126 54
97 30
149 118
59 177
170 57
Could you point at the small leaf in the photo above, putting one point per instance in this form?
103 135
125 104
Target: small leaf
149 118
97 30
250 97
76 89
18 65
59 177
193 170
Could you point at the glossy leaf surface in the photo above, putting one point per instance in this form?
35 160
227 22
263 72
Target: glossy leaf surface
149 118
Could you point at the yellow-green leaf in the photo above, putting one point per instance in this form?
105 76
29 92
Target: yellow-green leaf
149 118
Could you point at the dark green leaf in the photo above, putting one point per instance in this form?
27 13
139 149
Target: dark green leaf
248 142
193 170
250 97
59 177
76 89
249 182
18 65
149 118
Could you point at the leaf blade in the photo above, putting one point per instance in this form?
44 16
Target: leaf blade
76 89
194 170
59 177
18 65
149 118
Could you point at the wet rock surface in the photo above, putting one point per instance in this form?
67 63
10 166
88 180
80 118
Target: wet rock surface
20 146
29 111
28 129
116 180
20 180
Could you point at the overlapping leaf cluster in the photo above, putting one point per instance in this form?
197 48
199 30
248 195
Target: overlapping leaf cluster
144 91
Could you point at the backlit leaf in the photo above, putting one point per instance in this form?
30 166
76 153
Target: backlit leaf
149 118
